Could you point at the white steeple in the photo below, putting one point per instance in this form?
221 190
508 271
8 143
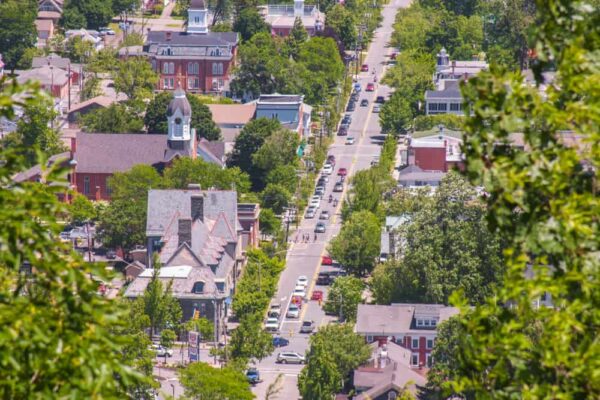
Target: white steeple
179 114
298 8
197 17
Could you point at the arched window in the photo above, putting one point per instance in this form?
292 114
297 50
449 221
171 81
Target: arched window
217 68
198 288
193 68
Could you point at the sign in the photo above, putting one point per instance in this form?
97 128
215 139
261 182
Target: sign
196 314
194 354
193 339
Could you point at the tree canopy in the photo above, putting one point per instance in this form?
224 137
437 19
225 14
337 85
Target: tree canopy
116 118
17 30
93 13
184 171
135 78
344 296
202 381
249 22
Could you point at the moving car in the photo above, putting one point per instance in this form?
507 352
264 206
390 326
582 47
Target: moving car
357 87
274 311
278 341
364 68
376 108
302 281
327 169
350 140
161 351
310 213
307 327
272 325
320 191
324 214
339 187
331 159
300 291
253 376
293 311
342 172
317 295
290 357
364 102
315 201
370 87
320 227
380 100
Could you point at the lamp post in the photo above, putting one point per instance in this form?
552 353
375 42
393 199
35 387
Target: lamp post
173 388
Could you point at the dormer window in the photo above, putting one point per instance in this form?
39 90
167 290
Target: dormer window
198 288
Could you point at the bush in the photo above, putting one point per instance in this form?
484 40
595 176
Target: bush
450 121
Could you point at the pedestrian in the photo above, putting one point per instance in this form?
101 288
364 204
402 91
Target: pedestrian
315 236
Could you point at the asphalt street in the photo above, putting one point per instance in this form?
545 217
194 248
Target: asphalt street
304 259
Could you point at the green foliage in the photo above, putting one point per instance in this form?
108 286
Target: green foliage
269 223
249 22
132 39
125 7
26 60
204 326
135 78
79 50
396 115
91 88
162 309
449 121
343 22
335 350
543 199
116 118
81 209
279 149
202 381
95 14
155 118
167 338
322 68
102 61
249 340
184 171
72 18
411 76
284 175
17 30
446 247
276 197
344 297
56 333
357 245
296 38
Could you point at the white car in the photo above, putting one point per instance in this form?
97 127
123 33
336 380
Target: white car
315 202
293 311
302 281
327 169
349 140
161 351
299 291
376 108
272 325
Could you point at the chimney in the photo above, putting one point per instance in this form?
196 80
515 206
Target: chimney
194 186
197 207
168 34
453 66
185 231
73 146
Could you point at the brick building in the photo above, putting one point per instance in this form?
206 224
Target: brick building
412 326
281 17
198 60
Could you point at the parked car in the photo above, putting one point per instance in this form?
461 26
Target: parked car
351 106
343 131
278 341
302 281
339 187
325 178
324 214
272 324
106 31
376 108
320 227
300 291
310 213
380 100
274 310
331 159
317 295
375 160
323 279
342 172
370 87
357 87
315 201
327 169
320 191
326 260
364 102
350 140
290 358
253 376
307 327
161 351
293 311
364 68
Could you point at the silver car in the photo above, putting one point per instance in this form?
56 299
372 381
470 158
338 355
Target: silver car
290 357
307 327
293 311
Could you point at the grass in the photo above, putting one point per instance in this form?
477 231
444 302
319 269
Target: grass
173 25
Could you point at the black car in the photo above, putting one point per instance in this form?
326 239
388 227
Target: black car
339 187
364 102
343 131
351 107
323 279
380 99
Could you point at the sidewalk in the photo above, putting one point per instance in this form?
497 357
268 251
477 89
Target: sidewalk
166 13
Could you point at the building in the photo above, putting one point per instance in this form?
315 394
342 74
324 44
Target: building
231 118
444 101
387 374
54 80
198 60
436 150
412 326
414 176
51 6
390 242
288 109
97 156
45 31
212 152
200 243
87 35
281 18
57 61
86 107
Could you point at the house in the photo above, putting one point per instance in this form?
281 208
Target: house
390 242
45 31
231 118
54 80
412 326
436 150
57 61
387 374
198 60
288 109
87 35
414 176
86 107
55 6
200 241
212 152
444 101
281 18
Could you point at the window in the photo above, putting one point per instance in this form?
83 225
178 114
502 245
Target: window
193 83
415 343
419 322
414 359
426 322
221 287
168 68
442 106
217 68
430 343
429 360
455 106
168 83
108 189
198 287
193 68
392 396
86 185
196 20
433 322
433 106
369 338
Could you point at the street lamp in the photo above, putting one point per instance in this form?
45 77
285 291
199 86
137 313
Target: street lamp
173 387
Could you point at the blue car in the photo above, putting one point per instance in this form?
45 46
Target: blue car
280 342
357 87
253 376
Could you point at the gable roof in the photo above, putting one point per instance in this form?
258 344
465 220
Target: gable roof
191 40
102 101
45 75
212 151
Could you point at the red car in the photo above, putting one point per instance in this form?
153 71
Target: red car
365 68
342 172
393 56
326 260
317 295
370 87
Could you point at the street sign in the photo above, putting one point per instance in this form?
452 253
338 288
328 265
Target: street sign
193 339
194 354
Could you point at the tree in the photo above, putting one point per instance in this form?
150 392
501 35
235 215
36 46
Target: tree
202 325
279 149
184 171
103 61
79 50
72 18
411 77
342 21
344 297
202 381
91 88
167 338
357 245
296 38
249 340
275 197
335 350
17 30
56 332
116 118
221 10
249 22
269 223
155 118
81 209
96 13
396 115
323 68
135 78
123 222
160 306
125 7
284 175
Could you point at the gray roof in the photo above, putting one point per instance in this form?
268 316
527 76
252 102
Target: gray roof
191 40
110 153
212 151
197 5
381 319
180 102
36 170
280 98
413 172
46 75
452 94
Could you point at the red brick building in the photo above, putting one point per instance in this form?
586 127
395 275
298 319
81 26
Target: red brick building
197 60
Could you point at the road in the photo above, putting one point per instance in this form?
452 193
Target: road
305 258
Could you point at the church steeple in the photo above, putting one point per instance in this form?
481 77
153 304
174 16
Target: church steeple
197 17
179 114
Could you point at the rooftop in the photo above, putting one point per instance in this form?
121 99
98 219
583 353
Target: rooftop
232 114
46 75
397 318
